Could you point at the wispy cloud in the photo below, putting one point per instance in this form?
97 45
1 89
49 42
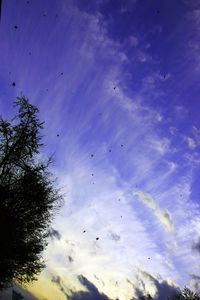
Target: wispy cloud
162 215
113 141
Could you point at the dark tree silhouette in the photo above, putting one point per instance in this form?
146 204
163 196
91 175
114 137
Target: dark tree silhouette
186 294
28 197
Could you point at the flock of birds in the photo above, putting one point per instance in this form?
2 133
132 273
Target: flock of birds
13 84
44 15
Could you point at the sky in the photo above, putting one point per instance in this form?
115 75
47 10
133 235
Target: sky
117 84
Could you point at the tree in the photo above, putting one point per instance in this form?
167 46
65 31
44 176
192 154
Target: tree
186 294
28 198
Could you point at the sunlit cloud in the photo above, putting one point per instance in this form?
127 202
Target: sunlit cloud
162 215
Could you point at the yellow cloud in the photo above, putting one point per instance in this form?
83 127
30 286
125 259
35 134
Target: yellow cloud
45 288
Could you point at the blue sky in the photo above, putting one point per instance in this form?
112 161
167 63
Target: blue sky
118 81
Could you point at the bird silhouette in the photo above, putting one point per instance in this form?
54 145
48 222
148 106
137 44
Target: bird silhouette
70 258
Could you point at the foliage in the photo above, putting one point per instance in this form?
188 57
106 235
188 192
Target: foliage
28 199
187 294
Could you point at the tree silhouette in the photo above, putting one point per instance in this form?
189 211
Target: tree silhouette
28 198
186 294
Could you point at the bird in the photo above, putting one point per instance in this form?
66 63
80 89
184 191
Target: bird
92 155
61 73
15 26
13 84
84 231
57 135
109 150
70 258
97 238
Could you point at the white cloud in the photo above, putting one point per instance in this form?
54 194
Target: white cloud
160 145
162 215
191 143
133 41
102 115
173 130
